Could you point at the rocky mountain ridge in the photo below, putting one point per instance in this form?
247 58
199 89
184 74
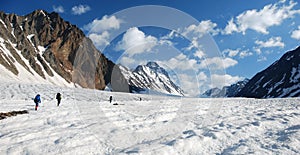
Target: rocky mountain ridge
281 79
226 91
46 46
153 77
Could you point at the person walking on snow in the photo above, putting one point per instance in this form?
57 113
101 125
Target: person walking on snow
58 97
37 100
110 99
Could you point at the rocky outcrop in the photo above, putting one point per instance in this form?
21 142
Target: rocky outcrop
4 115
44 43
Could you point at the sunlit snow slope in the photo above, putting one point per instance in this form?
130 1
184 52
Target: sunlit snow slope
86 123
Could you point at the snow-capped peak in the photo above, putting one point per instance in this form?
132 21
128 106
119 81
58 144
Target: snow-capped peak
151 76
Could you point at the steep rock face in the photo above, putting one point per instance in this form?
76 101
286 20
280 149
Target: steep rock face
44 43
281 79
153 77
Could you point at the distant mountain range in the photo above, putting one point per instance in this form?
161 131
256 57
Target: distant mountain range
151 77
281 79
226 91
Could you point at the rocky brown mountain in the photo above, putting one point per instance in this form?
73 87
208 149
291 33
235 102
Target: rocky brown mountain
43 43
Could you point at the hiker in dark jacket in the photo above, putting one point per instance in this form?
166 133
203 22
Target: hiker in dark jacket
37 100
58 97
110 99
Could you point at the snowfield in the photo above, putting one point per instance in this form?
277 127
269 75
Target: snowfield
86 123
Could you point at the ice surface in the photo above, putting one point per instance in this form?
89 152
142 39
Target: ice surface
86 123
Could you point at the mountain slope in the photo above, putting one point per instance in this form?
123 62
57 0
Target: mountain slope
42 47
151 76
226 91
281 79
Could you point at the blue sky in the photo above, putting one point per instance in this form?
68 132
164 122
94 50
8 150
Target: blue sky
204 43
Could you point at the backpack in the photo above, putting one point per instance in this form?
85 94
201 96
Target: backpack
37 99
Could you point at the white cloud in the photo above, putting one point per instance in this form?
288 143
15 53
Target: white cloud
99 30
296 34
218 63
223 80
272 42
244 54
239 52
261 20
104 24
170 35
80 9
189 84
58 9
199 53
202 76
230 28
100 39
127 61
182 62
202 28
257 50
194 45
135 41
195 33
231 52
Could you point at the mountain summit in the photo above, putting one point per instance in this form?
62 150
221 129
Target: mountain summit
153 77
42 47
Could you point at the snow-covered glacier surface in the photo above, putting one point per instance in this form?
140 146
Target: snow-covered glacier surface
86 123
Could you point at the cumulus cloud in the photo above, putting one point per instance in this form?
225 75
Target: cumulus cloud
196 33
272 42
257 50
230 28
223 80
80 9
100 39
58 9
237 52
135 41
244 54
218 63
104 24
261 20
99 29
182 62
296 34
202 28
231 52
